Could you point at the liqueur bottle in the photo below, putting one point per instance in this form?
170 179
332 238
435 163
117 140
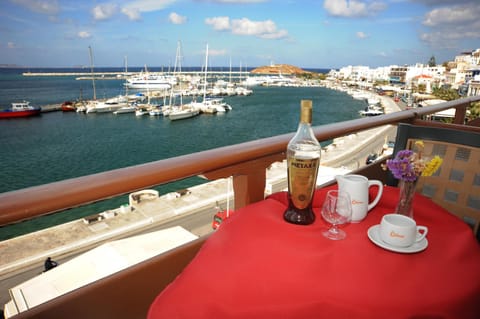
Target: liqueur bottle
303 159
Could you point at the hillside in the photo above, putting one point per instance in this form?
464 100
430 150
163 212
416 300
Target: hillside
279 68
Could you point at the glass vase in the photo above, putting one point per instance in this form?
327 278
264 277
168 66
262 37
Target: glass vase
405 198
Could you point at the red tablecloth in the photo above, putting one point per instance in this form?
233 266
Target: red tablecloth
258 266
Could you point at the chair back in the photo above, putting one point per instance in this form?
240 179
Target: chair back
456 185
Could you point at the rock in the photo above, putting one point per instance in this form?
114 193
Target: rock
279 69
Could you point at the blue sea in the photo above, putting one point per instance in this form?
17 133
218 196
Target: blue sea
55 146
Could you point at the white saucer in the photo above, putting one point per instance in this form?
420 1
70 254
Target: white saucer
374 235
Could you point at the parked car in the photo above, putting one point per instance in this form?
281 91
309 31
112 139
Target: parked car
371 158
219 217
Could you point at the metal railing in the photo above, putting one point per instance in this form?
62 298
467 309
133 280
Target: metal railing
246 162
129 293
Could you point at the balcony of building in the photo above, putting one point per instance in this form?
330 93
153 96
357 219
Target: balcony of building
129 292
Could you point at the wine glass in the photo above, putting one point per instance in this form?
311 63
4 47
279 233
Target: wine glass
336 210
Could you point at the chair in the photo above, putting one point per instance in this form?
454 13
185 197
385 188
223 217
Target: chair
456 185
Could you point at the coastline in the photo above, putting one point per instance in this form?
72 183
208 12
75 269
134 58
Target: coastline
25 254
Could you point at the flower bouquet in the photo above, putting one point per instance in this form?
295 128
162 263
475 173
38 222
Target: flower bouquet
407 167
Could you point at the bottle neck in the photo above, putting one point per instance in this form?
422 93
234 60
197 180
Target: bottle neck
306 116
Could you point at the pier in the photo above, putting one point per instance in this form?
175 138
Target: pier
122 75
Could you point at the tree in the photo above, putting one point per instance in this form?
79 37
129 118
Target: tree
432 61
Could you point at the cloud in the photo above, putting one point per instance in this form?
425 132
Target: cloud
353 8
175 18
11 45
361 35
49 7
263 29
104 11
238 1
133 9
452 15
442 2
132 14
84 34
219 23
447 26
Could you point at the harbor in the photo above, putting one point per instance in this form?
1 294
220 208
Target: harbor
192 204
152 213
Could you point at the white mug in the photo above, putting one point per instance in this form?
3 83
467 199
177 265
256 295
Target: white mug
400 230
357 187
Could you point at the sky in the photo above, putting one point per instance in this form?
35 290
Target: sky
247 33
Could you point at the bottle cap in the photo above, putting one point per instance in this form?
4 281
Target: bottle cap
306 111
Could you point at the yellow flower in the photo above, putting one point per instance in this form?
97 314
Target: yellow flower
419 144
432 166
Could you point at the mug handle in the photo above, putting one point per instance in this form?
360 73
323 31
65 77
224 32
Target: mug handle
420 235
379 194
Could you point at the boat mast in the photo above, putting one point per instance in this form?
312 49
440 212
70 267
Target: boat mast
93 75
177 58
126 74
205 79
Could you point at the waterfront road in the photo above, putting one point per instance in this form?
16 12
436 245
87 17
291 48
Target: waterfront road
199 223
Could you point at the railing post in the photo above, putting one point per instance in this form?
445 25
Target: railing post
249 188
249 178
460 114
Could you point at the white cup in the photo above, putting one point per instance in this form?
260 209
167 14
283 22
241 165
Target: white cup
401 231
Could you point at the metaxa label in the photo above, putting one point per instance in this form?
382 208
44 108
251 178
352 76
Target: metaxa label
301 180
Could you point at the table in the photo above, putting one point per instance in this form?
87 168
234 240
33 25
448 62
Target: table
258 266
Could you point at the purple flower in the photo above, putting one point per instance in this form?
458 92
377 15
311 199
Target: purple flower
404 154
402 166
409 166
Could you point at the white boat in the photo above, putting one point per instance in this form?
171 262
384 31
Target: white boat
156 111
91 106
217 103
126 109
202 107
240 90
137 97
151 81
112 104
182 112
371 111
140 111
81 108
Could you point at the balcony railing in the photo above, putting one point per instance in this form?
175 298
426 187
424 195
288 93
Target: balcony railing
128 294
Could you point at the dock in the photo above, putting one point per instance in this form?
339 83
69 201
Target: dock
121 75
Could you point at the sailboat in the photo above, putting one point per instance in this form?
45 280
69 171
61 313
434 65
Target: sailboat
182 111
214 104
242 90
126 104
91 105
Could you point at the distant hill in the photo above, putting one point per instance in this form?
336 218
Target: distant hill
11 66
279 68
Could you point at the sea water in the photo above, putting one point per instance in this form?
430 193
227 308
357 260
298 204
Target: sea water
56 146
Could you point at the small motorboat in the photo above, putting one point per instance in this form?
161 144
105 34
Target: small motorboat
68 106
20 109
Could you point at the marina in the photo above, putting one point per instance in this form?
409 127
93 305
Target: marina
119 218
94 139
167 209
153 212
